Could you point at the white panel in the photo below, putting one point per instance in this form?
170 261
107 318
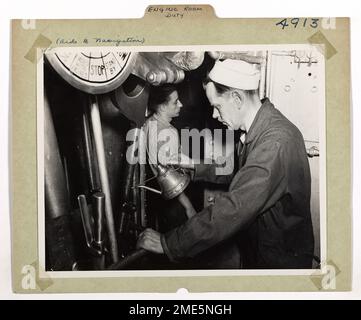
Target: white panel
294 89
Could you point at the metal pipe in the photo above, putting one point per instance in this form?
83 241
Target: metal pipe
56 194
130 164
262 84
86 220
128 176
98 207
128 260
136 199
57 205
66 175
142 194
98 202
93 228
99 148
236 55
90 159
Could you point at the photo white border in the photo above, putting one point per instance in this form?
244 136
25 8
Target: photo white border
181 273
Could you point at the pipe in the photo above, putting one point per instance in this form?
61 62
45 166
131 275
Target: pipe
128 260
57 205
156 69
90 159
136 199
129 170
86 220
99 148
93 228
142 194
98 201
128 176
245 56
56 194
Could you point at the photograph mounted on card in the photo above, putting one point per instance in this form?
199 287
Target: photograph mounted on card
202 156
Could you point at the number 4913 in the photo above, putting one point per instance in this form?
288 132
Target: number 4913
298 22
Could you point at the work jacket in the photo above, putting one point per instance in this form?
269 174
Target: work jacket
266 211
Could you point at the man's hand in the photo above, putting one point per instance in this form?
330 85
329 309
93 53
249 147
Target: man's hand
149 240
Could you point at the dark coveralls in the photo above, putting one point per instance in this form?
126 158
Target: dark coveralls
264 219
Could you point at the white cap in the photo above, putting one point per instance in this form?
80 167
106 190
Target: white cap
236 74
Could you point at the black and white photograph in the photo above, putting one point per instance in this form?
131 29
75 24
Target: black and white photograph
202 158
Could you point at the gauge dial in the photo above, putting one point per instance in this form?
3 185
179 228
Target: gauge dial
93 70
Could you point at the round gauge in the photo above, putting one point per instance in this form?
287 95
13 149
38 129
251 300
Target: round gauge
93 70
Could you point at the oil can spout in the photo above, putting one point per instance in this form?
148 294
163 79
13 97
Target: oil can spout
171 181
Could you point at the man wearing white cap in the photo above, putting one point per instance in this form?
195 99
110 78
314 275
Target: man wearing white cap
266 212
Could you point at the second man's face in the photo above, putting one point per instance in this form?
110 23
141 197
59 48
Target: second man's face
224 107
173 106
